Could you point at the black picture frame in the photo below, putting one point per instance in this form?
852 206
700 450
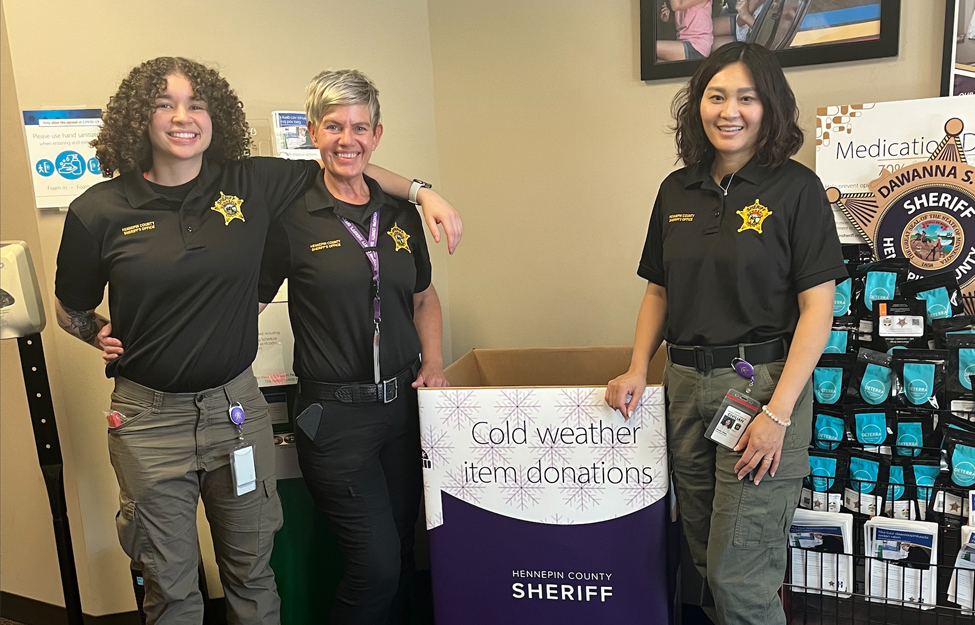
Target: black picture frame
886 45
949 51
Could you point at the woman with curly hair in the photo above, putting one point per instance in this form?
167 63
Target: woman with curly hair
178 237
740 262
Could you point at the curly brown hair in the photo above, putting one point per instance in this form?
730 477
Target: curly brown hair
123 142
779 137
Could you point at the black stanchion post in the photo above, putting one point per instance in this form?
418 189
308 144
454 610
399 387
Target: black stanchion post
52 466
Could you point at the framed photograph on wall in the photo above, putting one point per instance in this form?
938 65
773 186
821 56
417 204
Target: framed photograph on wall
675 35
958 66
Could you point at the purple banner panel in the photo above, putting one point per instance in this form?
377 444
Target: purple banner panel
489 569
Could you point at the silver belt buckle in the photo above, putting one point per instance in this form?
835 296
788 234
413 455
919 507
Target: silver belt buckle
390 390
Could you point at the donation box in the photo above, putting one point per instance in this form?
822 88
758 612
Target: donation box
543 505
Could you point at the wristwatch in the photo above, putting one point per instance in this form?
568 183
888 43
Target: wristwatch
415 188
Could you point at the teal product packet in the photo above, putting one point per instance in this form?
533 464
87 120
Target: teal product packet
878 281
871 428
831 378
914 431
872 379
940 292
829 427
961 366
823 488
919 378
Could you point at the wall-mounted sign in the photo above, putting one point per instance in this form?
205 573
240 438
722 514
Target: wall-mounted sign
63 164
857 143
924 211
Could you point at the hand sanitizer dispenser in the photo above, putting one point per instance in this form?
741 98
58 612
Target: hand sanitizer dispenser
21 307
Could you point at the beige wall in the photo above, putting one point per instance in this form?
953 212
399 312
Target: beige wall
74 54
554 149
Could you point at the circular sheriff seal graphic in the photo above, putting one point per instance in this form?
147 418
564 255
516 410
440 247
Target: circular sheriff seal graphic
932 240
921 212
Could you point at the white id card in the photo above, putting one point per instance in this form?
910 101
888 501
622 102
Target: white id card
242 467
732 418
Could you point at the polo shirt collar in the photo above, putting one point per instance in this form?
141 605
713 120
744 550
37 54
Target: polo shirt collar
139 193
319 197
700 172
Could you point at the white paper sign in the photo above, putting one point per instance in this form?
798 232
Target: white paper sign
274 364
63 164
549 455
291 138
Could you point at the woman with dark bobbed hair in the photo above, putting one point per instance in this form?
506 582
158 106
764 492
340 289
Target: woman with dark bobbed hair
740 262
178 237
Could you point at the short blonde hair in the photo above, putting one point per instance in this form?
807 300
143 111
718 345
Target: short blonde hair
337 87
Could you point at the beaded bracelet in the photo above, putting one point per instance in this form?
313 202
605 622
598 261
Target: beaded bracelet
771 416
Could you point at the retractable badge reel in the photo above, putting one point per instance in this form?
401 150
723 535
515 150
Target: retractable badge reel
736 410
242 457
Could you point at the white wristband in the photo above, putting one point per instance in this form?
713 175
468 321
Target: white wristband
415 188
768 413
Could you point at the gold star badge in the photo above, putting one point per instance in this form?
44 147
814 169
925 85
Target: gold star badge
401 239
229 207
752 217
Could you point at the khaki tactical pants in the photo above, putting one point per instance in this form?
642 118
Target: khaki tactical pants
737 532
171 449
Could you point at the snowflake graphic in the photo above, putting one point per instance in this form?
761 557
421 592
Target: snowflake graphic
612 452
492 454
650 410
523 494
581 495
578 405
558 519
436 443
518 405
551 452
457 407
658 449
435 521
456 484
642 495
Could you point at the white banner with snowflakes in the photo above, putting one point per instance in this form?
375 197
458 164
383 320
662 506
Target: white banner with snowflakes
548 455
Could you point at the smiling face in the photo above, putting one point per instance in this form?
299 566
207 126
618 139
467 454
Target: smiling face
731 112
180 129
346 140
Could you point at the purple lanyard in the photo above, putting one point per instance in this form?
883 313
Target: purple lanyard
369 245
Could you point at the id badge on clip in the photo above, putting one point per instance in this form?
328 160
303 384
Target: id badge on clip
242 467
734 414
242 457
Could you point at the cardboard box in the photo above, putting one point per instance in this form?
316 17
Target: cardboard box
543 504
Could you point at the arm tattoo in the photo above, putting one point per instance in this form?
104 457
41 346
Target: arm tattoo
83 324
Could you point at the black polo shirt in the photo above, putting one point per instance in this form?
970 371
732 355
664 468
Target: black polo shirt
330 283
182 276
733 265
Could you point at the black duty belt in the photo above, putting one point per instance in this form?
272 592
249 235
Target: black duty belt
704 359
360 392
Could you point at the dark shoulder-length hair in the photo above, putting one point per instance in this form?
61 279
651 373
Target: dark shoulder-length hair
779 137
123 142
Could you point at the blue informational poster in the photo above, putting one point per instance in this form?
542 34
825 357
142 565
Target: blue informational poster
63 164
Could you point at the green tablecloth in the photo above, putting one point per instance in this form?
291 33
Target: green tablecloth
306 559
